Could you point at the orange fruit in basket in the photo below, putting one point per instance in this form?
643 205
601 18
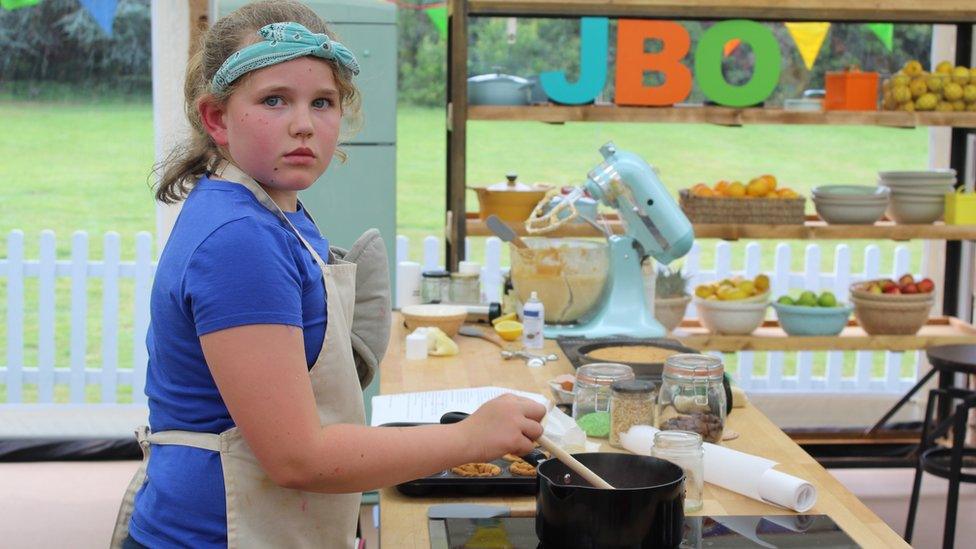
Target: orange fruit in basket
736 190
702 190
721 187
771 180
758 187
786 192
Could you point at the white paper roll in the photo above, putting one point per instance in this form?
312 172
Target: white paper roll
407 284
743 473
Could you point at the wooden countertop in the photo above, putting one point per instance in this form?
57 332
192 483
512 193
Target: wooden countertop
403 520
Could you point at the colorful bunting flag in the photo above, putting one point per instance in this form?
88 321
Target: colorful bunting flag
103 11
438 16
808 37
885 32
17 4
730 47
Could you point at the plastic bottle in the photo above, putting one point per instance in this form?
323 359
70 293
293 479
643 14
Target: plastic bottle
533 319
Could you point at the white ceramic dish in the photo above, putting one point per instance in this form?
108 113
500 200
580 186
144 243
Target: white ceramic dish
560 395
916 210
731 317
918 174
851 192
840 212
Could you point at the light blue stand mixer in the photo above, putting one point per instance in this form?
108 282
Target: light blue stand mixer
655 226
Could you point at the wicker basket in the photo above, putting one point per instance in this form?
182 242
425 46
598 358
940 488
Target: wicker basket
764 211
895 318
863 295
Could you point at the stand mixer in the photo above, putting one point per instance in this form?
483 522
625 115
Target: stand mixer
654 225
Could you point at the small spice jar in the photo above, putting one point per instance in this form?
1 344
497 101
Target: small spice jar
591 401
435 286
465 288
684 449
631 403
692 396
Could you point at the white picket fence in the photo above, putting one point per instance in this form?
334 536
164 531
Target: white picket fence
81 371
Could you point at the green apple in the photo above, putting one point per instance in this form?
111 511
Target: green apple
785 300
827 299
807 299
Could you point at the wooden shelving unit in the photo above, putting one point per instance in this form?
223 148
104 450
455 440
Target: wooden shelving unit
723 116
813 229
933 11
771 337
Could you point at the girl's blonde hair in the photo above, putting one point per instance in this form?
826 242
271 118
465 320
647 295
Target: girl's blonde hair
188 163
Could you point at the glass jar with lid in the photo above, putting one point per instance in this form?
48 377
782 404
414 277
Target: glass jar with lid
692 396
435 286
465 288
684 449
631 403
591 401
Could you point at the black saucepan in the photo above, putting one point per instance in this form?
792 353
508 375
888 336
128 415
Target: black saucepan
645 510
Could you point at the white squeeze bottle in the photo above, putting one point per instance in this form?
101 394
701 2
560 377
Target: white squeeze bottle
533 319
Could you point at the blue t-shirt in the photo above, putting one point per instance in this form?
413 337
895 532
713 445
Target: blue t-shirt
228 262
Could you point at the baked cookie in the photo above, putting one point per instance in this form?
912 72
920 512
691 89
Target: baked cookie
522 469
477 470
512 457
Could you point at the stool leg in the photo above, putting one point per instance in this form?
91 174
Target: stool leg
955 470
917 483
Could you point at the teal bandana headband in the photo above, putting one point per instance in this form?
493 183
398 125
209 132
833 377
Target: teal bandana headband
282 42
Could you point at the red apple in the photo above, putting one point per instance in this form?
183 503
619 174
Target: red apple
926 286
906 279
893 291
909 289
887 285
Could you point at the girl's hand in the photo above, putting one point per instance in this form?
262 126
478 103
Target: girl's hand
507 424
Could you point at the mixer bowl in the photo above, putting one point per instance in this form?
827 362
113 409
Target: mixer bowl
568 275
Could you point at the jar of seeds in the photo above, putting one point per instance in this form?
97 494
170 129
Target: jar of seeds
631 403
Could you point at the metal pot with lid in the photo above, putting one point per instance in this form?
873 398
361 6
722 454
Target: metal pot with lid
645 508
498 89
511 200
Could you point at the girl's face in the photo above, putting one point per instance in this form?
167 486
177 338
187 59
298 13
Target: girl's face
281 125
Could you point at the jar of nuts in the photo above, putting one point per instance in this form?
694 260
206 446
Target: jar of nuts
692 396
631 403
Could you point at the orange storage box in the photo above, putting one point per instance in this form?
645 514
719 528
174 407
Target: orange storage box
851 90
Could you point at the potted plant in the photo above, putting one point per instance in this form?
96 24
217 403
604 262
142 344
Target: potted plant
671 297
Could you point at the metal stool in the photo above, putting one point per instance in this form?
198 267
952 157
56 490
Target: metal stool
946 360
945 462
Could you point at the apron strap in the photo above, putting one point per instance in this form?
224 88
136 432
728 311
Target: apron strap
234 174
204 441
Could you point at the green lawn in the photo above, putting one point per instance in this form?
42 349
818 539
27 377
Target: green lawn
69 167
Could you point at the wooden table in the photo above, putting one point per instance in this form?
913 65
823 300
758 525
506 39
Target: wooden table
403 520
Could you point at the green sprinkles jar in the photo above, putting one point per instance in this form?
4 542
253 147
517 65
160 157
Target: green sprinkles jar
591 403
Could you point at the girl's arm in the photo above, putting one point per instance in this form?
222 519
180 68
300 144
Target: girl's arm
263 379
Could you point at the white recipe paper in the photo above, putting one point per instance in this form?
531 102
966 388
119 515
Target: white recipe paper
429 406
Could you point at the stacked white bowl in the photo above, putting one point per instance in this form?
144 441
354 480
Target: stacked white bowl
917 197
850 204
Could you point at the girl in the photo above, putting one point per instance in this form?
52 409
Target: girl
255 404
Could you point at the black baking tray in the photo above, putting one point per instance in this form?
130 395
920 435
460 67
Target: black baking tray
446 483
576 348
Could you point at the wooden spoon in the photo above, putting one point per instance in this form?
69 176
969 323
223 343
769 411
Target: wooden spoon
504 232
573 463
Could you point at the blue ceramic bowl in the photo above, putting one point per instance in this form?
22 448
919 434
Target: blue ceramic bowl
798 320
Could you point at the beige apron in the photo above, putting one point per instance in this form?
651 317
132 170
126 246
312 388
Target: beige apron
259 512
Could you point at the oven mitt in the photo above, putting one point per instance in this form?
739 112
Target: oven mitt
371 317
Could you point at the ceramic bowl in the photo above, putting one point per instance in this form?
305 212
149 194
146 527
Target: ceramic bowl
918 177
851 192
850 212
731 317
798 320
918 210
448 318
